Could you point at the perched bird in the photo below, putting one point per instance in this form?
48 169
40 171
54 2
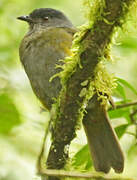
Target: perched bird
48 40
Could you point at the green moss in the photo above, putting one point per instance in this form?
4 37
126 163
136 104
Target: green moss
103 83
70 63
93 9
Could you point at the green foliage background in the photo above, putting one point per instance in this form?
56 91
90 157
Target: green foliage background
22 122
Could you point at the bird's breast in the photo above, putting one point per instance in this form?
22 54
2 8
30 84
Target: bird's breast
40 52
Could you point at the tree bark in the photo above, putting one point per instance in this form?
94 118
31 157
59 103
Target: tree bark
95 42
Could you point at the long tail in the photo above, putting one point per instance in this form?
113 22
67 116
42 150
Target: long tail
103 144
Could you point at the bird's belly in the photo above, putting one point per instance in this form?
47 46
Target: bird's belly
40 67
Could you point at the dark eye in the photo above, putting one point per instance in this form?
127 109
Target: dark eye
46 18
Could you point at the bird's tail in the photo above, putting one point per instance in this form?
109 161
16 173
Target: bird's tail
103 144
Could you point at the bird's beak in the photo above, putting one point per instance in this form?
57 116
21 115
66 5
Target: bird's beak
25 18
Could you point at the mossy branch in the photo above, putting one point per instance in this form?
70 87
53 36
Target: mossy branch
90 46
78 175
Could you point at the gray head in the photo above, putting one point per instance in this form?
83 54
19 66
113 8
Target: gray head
46 17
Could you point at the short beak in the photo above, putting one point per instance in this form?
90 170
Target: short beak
25 18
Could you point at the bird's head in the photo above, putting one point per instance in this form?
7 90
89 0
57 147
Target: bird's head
46 17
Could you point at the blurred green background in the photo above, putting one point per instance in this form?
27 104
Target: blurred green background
22 121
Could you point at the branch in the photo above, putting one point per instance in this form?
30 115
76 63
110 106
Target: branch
92 46
123 105
42 150
60 173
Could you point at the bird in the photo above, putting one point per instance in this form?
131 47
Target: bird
48 40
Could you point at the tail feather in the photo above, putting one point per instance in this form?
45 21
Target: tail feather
103 144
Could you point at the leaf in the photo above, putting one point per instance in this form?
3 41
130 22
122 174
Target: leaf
132 152
120 113
9 115
126 84
120 130
121 91
82 157
117 113
130 43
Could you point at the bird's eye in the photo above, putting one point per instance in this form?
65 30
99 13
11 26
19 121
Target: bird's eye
46 18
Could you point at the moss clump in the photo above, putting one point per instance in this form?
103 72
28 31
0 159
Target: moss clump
71 62
103 83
